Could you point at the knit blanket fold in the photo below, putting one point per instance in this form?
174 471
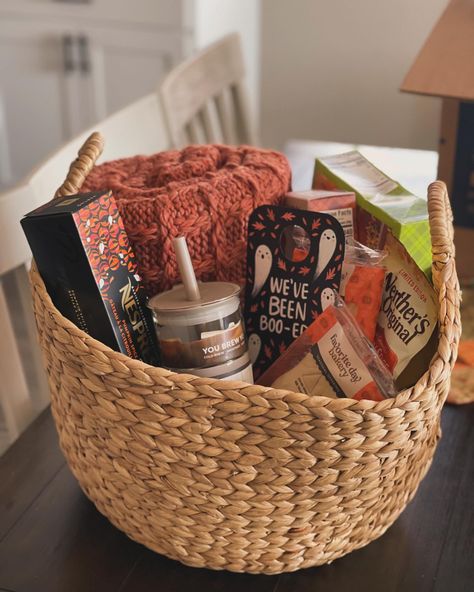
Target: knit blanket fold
205 193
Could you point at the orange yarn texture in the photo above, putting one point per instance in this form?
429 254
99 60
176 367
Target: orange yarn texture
205 193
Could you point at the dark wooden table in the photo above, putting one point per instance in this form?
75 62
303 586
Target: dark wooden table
52 539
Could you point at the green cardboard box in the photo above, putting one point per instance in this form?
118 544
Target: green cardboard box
382 203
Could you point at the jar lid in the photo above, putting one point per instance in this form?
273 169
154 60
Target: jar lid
175 300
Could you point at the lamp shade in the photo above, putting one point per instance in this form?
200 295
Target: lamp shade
445 65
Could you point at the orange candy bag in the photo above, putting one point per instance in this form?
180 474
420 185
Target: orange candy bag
332 358
362 285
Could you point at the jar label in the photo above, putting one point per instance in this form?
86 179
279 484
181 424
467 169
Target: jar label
214 348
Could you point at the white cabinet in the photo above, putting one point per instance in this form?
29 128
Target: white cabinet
65 65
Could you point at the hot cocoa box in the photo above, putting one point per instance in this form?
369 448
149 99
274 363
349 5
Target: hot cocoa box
340 204
89 269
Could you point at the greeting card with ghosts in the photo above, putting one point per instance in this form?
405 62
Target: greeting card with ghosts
294 261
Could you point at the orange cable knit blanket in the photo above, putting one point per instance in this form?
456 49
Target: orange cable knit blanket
205 193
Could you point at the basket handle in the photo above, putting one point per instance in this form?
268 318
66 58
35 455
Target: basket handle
441 227
445 278
82 165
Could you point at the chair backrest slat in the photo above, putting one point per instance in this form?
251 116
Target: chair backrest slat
193 132
224 114
245 129
208 123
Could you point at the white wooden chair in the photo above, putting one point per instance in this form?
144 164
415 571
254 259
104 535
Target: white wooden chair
204 98
137 129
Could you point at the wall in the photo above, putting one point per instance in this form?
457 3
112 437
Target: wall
331 71
216 18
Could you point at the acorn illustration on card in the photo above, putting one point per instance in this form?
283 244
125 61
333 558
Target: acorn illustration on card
294 261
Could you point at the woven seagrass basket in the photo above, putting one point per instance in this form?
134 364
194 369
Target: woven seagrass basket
226 475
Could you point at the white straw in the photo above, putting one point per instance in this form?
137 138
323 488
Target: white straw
186 269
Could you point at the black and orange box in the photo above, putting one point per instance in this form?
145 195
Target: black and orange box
84 256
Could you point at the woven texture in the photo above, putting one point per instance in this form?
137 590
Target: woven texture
204 192
226 475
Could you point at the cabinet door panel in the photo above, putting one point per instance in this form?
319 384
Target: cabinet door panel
35 95
32 96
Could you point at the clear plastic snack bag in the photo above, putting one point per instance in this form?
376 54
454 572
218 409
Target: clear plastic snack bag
332 358
362 284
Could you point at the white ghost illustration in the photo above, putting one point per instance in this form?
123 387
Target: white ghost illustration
255 343
327 298
263 264
327 246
